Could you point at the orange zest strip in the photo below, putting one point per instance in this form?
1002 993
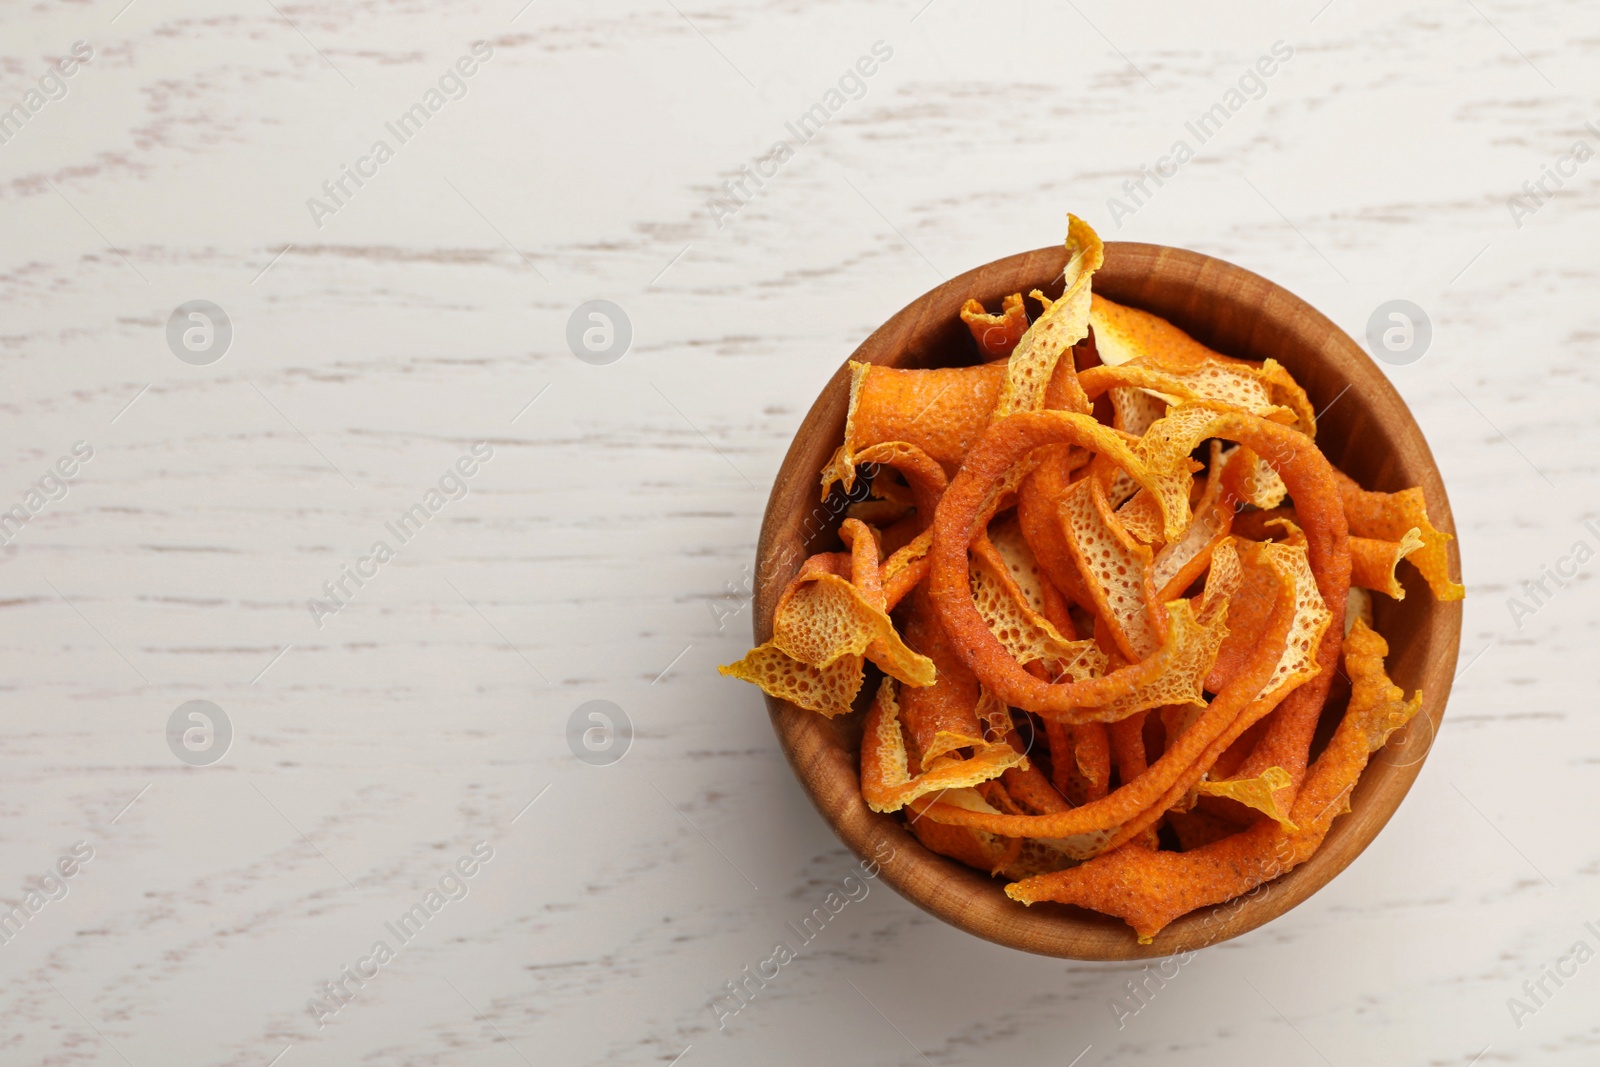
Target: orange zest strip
972 847
1063 759
1092 753
865 574
905 570
1127 746
1030 788
1263 525
942 717
1178 564
1248 480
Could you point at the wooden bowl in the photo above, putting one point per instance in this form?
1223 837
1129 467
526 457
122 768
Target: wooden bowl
1366 431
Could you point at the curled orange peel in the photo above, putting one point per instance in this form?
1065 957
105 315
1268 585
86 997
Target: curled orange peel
1149 889
1127 335
940 410
1247 479
1194 639
1179 563
1127 746
886 780
1031 789
1388 517
925 478
1028 637
1286 392
1133 409
865 570
1011 549
830 690
822 619
828 617
1091 761
1373 562
1039 517
1236 385
986 852
905 569
996 335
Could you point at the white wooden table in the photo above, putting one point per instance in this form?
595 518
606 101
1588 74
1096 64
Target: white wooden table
601 553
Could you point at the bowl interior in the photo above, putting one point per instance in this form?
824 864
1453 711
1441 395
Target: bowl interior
1363 427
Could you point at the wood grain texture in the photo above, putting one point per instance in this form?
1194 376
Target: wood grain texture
606 552
1374 439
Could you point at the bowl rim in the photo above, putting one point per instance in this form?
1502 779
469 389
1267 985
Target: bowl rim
828 772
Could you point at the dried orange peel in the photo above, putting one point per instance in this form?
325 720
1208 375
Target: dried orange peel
886 780
996 335
823 627
940 410
1150 889
1099 590
1283 657
1373 562
1390 517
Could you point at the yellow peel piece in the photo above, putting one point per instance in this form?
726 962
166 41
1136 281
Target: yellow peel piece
1133 410
1125 335
1236 384
1179 563
1116 569
829 690
1141 517
1063 324
1288 393
1258 483
1298 663
1259 793
823 619
1375 701
1027 635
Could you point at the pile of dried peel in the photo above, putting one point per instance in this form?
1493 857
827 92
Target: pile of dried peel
1108 579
